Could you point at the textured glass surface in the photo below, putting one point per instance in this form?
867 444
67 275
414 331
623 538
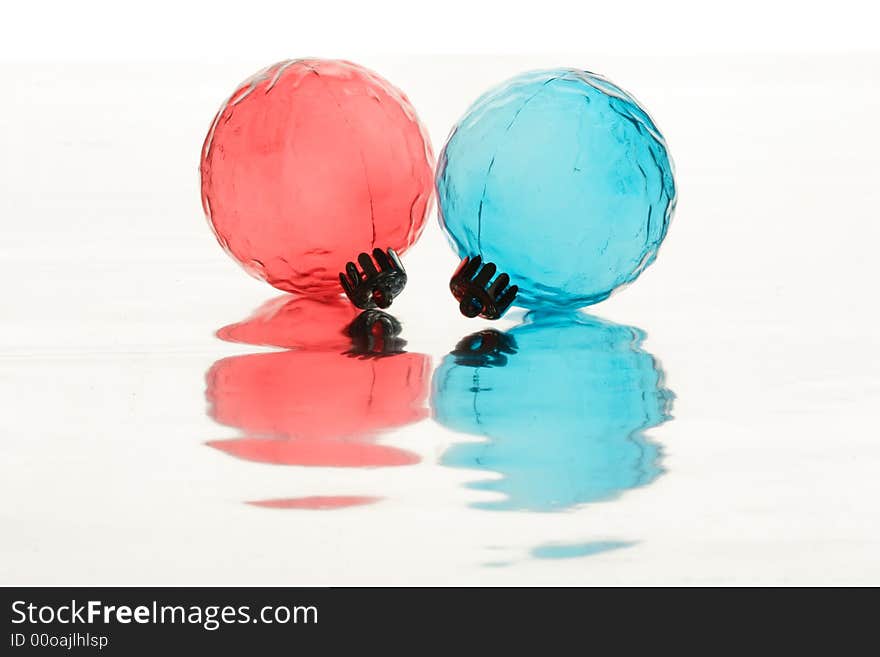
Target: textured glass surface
309 163
563 404
562 180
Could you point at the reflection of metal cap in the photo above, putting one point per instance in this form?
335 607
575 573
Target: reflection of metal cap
379 283
470 285
488 348
375 333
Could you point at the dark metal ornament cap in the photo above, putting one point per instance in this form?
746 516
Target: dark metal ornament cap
380 279
471 285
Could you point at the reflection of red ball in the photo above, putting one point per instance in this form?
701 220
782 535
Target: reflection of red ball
296 322
309 163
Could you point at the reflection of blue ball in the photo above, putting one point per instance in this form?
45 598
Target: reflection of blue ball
563 401
562 180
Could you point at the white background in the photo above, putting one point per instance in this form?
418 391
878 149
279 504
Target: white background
761 306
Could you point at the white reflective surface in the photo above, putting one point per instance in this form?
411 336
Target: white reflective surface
761 307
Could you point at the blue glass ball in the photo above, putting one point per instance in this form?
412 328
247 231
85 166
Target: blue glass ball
562 180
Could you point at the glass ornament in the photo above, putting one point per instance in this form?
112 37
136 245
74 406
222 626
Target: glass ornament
310 162
563 181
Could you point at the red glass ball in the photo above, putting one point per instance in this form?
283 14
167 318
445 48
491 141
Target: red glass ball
309 163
